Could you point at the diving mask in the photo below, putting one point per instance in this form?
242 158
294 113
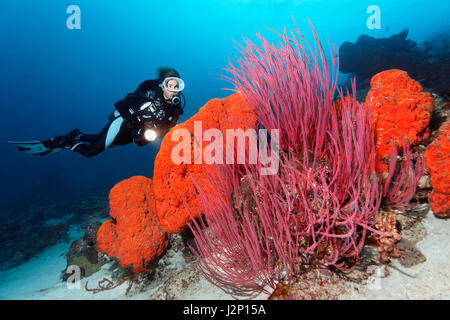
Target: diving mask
178 88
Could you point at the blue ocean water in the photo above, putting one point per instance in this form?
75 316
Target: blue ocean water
54 79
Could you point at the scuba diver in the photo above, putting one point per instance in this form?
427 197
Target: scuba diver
141 117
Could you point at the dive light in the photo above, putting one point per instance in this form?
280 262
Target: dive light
147 133
150 135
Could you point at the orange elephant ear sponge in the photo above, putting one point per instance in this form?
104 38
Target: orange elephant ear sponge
437 158
399 109
173 182
134 234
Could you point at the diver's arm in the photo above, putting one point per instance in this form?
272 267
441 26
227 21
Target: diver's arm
129 106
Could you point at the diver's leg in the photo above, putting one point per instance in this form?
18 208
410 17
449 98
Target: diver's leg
91 145
63 141
89 149
88 137
123 137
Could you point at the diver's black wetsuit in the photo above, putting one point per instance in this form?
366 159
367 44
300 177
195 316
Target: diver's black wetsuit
136 110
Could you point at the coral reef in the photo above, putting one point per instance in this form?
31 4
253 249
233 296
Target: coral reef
339 163
437 159
172 182
134 234
344 166
320 206
17 248
84 254
399 110
368 56
45 223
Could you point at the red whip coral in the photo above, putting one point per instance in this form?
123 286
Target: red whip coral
173 182
399 110
325 198
133 234
437 159
403 176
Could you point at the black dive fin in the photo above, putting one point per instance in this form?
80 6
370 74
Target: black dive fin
35 148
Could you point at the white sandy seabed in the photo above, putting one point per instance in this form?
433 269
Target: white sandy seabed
38 278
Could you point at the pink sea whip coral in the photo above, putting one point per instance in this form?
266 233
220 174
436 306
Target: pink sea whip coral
402 178
259 230
263 228
289 87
